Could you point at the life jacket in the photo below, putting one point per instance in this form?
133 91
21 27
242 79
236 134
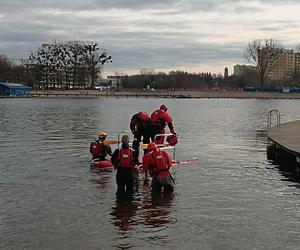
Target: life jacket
98 149
158 163
125 158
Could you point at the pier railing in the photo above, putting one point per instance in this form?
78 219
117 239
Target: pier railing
271 114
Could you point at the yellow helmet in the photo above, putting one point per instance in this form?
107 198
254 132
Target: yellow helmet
102 134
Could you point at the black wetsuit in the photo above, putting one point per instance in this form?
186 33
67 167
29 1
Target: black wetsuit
139 129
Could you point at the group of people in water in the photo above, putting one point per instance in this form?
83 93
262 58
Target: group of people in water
147 129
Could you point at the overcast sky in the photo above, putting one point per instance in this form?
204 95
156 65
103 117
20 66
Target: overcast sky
192 35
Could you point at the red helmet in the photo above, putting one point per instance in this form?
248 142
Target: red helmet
151 146
172 140
163 107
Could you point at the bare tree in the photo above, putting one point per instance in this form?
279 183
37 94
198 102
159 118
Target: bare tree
62 64
264 54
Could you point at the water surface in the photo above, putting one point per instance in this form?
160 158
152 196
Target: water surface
232 198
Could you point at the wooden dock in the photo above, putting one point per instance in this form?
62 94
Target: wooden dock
287 136
285 146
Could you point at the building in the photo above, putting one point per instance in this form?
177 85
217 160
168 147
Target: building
285 66
243 70
113 80
14 89
226 73
297 62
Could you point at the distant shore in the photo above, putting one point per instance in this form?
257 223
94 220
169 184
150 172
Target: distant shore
164 94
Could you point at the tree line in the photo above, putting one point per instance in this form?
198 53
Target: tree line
10 72
185 80
78 64
172 80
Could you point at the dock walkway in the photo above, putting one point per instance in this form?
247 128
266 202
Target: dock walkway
286 136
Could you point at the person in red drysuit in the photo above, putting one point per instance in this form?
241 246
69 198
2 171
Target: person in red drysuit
124 161
157 162
159 119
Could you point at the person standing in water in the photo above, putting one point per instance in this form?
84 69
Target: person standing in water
124 161
157 162
98 148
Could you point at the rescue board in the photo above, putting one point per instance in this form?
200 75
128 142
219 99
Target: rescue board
107 164
101 164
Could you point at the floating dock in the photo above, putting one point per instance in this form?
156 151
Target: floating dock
285 144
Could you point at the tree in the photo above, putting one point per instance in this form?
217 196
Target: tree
148 76
264 54
10 72
62 64
93 60
5 66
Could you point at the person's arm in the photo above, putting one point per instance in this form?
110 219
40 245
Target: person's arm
91 147
133 123
109 150
168 119
135 160
170 125
146 162
114 158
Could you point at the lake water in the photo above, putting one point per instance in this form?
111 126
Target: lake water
231 198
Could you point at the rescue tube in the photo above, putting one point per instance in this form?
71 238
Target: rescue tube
175 163
101 164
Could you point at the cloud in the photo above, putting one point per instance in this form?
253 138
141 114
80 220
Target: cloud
157 34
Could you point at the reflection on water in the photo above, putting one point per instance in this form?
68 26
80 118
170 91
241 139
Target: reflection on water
123 211
132 210
289 172
285 163
102 177
157 210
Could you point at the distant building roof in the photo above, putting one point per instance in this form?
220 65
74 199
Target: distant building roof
14 85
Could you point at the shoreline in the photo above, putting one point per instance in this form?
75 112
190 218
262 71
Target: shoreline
180 94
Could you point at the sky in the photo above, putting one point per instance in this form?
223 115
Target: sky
163 35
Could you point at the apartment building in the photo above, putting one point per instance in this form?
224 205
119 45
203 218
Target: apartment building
285 65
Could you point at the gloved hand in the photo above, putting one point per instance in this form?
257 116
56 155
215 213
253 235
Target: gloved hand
173 132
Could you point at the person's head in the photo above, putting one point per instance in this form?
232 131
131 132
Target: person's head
125 139
102 135
163 107
152 147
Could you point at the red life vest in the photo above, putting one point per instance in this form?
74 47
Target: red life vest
98 149
125 159
159 163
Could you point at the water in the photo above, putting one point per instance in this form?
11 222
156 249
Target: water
232 198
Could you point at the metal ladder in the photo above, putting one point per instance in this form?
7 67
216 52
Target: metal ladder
271 114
